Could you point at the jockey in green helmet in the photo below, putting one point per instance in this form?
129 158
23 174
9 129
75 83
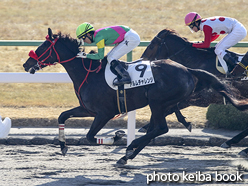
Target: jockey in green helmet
124 38
83 29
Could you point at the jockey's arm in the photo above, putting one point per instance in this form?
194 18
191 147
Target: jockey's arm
214 37
207 40
100 55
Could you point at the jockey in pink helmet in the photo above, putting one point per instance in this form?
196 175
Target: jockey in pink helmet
191 19
212 28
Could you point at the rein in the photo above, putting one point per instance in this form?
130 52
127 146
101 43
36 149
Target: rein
51 48
33 55
162 42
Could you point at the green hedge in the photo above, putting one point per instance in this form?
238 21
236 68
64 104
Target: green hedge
227 117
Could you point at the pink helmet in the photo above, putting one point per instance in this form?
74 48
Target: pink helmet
191 17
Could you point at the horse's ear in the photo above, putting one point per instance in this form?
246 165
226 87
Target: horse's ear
50 33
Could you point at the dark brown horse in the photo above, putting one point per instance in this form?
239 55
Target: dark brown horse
173 84
167 44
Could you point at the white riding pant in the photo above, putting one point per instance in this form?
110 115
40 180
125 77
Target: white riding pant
238 33
131 41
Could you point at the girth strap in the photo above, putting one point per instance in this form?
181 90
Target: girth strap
121 99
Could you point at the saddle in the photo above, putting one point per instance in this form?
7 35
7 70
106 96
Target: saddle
238 58
140 73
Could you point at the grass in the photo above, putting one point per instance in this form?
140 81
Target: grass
29 20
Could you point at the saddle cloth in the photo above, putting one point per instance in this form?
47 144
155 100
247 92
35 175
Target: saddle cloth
140 73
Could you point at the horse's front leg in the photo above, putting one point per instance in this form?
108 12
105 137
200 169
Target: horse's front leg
75 112
98 123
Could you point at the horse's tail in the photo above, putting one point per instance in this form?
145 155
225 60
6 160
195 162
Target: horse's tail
208 80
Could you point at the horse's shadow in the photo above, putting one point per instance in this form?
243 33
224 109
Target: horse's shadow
221 132
80 181
127 175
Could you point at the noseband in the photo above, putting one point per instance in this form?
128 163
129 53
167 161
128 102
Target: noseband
51 48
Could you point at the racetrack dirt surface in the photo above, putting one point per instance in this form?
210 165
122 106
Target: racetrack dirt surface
96 165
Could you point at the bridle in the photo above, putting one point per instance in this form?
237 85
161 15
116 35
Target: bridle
162 42
51 48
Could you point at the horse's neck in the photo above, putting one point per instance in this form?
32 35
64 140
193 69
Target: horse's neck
191 59
184 59
80 72
75 71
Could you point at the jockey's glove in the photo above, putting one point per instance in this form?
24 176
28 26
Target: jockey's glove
81 55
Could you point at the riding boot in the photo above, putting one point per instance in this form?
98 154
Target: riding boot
231 62
125 78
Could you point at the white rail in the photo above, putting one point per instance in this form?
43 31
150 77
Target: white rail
24 77
46 77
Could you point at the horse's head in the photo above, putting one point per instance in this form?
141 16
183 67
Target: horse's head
164 45
49 52
151 50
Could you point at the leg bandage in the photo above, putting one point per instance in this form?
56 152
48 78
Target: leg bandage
105 141
61 132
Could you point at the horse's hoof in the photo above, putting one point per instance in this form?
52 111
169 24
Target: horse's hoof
142 130
225 146
189 127
129 153
64 150
243 154
120 133
121 162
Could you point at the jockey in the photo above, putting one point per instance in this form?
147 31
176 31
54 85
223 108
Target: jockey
125 39
212 28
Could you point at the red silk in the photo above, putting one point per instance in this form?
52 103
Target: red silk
33 55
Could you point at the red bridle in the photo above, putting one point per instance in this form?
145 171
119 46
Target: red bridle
51 48
33 55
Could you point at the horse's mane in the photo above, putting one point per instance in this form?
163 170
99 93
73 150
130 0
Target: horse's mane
74 44
169 32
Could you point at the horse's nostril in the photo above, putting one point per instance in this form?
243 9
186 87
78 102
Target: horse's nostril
32 71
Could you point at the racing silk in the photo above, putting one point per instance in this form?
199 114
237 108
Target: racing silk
213 27
106 36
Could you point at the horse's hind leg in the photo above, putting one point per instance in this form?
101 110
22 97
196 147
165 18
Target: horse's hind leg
75 112
179 116
132 154
182 120
158 126
235 139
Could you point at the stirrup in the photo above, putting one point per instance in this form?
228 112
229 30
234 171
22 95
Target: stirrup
118 82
